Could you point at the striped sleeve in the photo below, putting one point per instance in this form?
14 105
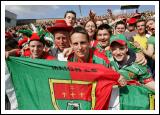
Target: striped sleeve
144 74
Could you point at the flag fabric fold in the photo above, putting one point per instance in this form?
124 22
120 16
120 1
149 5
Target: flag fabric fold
46 85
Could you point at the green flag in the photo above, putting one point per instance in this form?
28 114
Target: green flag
46 85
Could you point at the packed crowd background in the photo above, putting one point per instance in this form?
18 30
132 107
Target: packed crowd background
12 32
136 29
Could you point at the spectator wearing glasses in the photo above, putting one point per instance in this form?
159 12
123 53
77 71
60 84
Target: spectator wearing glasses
70 18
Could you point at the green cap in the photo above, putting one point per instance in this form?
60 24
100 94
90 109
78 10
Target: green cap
119 38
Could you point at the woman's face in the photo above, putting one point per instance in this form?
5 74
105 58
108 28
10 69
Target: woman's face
80 45
90 28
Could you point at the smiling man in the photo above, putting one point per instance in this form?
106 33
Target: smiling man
104 33
124 62
138 76
79 40
140 38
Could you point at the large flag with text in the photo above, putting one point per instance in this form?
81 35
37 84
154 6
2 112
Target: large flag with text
46 85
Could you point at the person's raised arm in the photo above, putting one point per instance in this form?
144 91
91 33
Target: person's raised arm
12 52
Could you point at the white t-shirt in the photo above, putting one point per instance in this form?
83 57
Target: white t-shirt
61 57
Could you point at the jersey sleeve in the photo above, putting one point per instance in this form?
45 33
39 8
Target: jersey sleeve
145 75
101 58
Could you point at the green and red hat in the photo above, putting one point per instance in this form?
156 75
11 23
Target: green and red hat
119 38
22 42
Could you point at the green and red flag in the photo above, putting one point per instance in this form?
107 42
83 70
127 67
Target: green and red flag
46 85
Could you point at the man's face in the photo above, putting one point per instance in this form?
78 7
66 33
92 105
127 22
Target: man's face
119 52
80 45
61 39
36 49
103 37
120 29
70 19
141 27
150 26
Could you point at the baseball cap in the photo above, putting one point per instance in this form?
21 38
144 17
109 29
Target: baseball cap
119 38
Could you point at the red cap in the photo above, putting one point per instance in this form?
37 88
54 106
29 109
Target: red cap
60 25
122 42
35 37
131 20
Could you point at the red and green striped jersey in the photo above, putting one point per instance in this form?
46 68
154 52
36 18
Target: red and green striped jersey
95 56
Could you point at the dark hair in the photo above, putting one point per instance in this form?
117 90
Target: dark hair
11 43
140 20
132 25
120 22
81 30
70 11
106 27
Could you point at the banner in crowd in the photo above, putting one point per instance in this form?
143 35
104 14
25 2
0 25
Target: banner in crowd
46 85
